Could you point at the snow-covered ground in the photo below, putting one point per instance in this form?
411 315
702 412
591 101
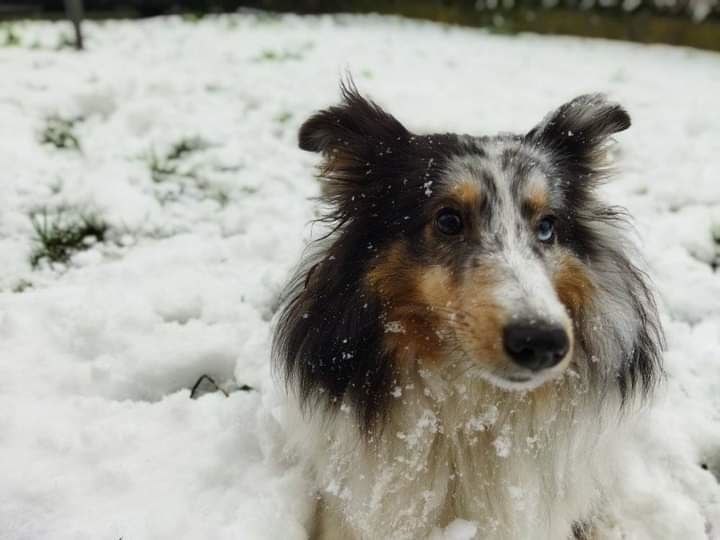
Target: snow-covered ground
99 437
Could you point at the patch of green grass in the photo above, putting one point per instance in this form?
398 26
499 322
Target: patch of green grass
10 38
60 133
167 165
164 166
221 196
715 232
282 117
22 286
248 190
56 186
187 146
271 55
64 233
160 168
174 176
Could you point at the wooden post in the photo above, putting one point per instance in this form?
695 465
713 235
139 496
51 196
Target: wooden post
74 9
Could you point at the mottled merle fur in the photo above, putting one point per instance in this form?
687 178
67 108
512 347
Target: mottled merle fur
376 177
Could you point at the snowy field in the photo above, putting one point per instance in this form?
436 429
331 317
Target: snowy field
176 140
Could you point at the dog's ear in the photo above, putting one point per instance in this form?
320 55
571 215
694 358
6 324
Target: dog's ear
576 132
355 126
357 139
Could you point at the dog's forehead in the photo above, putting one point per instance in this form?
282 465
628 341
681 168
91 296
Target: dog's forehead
499 168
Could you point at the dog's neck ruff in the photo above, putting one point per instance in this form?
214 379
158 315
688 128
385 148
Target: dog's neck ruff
520 465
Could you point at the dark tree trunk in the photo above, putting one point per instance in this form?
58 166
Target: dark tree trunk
74 10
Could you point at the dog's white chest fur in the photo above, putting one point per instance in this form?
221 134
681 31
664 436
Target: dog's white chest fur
518 465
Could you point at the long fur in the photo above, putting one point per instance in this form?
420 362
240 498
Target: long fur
403 441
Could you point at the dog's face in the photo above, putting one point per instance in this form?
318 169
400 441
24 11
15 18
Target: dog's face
488 273
472 252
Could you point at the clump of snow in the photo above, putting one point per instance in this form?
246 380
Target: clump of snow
459 529
484 420
98 434
502 445
394 327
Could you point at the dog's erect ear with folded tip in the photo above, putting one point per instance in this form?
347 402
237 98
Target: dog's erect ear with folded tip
363 149
356 125
576 133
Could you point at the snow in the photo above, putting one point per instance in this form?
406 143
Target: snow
459 529
98 434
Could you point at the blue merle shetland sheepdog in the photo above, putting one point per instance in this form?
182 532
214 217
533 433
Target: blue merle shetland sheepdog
471 337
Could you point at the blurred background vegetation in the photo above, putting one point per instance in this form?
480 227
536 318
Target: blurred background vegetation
680 22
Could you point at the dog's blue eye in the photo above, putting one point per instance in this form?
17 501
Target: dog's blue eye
448 221
546 229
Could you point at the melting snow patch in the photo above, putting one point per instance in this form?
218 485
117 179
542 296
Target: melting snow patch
459 529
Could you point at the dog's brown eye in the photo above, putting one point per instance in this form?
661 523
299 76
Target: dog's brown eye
448 221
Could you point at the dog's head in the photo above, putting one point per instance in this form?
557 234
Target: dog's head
488 252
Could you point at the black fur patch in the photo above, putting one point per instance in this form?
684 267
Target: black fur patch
328 340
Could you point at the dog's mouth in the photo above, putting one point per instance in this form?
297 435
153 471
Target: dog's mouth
519 379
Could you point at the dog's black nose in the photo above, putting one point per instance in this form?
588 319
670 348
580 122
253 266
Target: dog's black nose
535 346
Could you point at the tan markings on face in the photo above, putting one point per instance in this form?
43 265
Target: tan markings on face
434 285
480 319
467 192
466 196
382 276
573 285
411 326
466 315
536 197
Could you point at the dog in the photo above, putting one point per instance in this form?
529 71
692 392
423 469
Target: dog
471 336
